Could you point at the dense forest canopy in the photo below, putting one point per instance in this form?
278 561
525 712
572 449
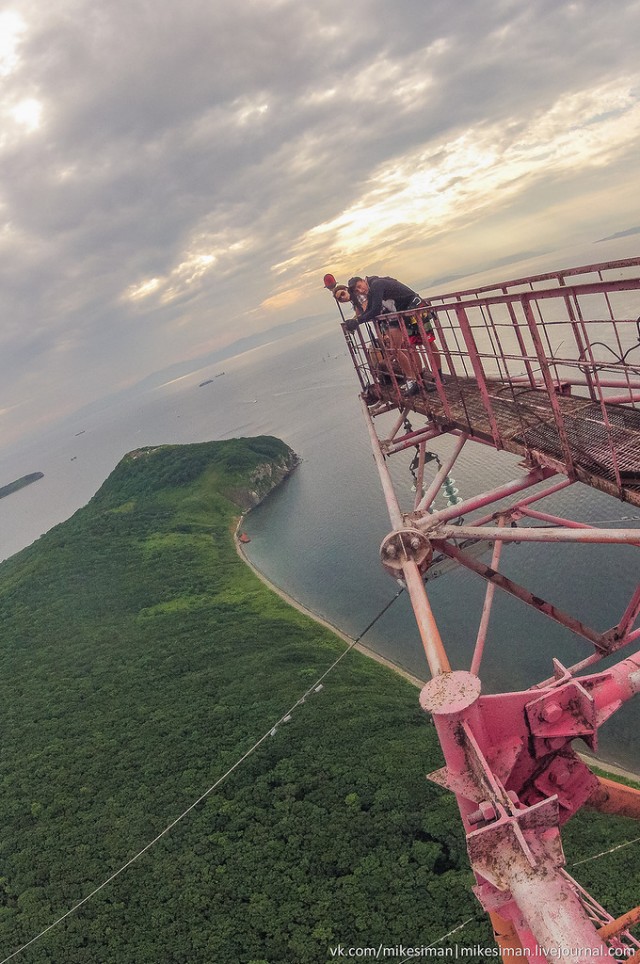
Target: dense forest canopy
140 659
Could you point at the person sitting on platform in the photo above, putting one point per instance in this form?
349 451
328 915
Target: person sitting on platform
378 290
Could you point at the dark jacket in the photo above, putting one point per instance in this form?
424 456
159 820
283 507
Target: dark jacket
388 289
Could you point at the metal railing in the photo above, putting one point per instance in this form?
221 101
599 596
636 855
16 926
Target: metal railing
568 335
577 328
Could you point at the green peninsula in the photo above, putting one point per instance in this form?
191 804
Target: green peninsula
140 659
20 483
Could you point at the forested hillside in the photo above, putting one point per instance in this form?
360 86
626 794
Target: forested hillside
140 659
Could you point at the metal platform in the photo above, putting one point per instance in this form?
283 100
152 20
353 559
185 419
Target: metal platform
604 455
547 367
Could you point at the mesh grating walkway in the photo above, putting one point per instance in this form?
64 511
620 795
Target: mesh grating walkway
527 426
547 367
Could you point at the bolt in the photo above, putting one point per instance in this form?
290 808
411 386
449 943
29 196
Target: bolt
485 812
488 810
551 713
415 543
560 777
391 552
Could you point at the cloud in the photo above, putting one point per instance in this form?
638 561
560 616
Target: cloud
173 175
451 184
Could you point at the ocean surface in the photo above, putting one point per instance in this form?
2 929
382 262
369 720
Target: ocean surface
318 536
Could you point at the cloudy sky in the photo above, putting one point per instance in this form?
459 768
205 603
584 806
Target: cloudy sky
175 175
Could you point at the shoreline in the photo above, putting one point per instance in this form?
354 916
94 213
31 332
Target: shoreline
610 769
414 680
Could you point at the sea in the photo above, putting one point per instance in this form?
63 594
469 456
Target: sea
317 536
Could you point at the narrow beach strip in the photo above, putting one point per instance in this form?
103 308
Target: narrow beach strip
414 680
609 769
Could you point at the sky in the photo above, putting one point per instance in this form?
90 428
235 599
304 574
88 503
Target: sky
177 175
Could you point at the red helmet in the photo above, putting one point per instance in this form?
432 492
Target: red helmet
329 281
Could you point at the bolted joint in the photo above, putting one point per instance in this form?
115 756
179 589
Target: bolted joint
485 812
402 546
551 713
560 776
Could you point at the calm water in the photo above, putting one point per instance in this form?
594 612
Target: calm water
318 535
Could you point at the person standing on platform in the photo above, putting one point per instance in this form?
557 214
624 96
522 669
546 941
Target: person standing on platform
378 291
342 295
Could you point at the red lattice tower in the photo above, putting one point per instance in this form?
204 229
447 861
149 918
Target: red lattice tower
546 367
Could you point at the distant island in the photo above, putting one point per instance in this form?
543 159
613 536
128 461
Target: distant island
20 483
209 380
620 234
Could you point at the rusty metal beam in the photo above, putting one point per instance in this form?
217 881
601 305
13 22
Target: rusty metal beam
514 589
580 535
614 797
620 924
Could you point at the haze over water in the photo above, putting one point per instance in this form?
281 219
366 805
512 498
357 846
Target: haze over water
318 535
